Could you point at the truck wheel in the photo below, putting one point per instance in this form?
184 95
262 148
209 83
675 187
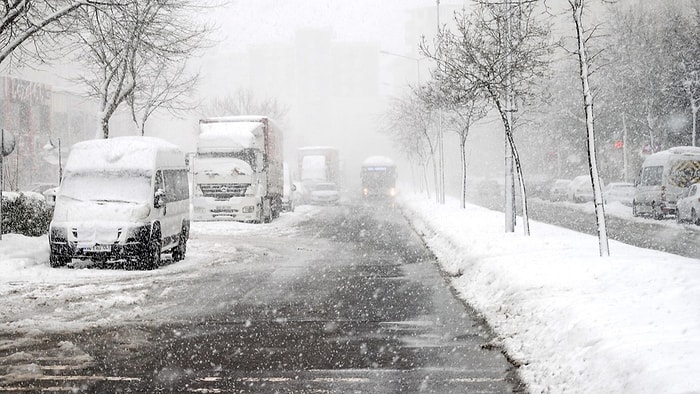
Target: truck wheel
181 249
57 260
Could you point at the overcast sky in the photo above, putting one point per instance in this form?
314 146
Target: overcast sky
246 22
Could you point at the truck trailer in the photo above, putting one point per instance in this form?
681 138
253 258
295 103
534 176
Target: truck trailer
237 171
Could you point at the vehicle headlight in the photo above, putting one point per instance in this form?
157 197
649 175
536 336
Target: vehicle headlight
248 209
141 211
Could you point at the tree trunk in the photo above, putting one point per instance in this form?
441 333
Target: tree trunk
516 160
463 157
577 8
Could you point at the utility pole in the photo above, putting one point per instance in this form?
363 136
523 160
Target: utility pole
441 142
509 179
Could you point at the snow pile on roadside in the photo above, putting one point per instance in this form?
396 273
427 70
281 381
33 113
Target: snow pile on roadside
18 252
575 322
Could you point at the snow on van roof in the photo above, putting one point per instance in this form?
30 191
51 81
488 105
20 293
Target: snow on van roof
678 152
378 161
128 152
221 135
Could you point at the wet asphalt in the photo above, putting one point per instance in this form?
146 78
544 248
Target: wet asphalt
350 302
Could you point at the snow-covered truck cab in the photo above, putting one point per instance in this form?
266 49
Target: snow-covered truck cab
662 178
123 198
238 170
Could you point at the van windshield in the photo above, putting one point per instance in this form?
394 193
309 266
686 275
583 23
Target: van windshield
107 186
651 176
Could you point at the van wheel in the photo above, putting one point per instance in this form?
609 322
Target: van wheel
656 212
150 257
57 260
635 209
181 249
694 218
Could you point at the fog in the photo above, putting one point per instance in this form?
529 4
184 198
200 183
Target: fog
333 68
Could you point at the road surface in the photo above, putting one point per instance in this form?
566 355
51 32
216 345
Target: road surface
345 299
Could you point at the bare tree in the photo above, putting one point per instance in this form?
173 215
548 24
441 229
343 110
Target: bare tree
577 7
408 122
462 105
22 21
499 49
244 102
169 87
134 53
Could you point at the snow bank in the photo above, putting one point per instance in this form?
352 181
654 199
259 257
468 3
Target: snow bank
574 321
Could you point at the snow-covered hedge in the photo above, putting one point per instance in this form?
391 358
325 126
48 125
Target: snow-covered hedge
25 215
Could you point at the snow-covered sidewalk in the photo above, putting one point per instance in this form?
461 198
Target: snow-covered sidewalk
576 322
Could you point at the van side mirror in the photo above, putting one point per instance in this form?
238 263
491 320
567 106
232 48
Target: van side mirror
159 198
294 188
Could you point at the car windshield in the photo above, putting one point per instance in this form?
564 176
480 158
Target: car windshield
115 186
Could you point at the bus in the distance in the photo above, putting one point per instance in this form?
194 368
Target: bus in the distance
378 177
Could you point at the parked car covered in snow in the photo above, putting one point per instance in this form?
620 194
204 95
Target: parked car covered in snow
325 193
622 192
580 189
558 190
688 205
123 198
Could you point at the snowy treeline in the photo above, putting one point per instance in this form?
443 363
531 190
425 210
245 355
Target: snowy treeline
521 59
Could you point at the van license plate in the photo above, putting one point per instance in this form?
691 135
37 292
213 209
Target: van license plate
99 248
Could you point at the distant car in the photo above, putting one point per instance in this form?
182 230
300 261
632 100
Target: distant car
557 192
622 192
580 189
325 193
688 205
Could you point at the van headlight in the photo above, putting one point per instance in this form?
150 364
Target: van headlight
248 209
141 211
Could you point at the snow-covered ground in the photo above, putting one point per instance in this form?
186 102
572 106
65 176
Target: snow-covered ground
574 321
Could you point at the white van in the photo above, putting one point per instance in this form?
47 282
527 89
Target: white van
662 178
123 198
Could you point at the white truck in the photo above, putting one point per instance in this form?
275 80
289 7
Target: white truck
237 171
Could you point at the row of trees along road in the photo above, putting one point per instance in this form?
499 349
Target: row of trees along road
639 61
134 52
